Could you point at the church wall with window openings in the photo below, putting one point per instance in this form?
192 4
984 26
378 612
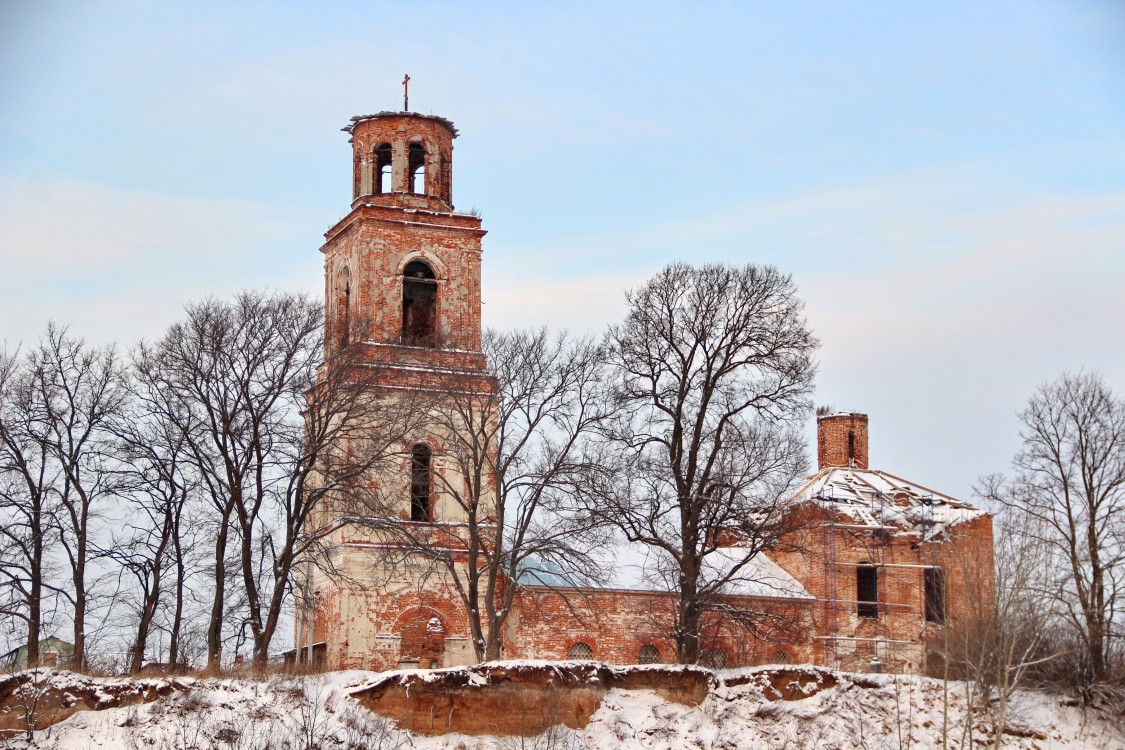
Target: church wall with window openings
873 573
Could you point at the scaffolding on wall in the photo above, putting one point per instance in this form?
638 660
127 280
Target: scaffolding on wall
841 649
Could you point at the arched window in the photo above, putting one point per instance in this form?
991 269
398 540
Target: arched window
648 655
781 656
344 306
581 650
419 305
421 483
867 591
851 448
715 658
417 168
421 640
383 181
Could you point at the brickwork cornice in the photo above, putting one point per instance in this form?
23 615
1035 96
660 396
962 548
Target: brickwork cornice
403 217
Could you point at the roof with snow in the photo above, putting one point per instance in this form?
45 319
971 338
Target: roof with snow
756 575
877 499
386 113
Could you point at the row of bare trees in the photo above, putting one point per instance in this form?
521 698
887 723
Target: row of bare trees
178 484
128 470
58 407
185 475
678 431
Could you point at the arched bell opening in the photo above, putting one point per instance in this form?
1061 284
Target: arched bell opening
416 168
419 305
383 182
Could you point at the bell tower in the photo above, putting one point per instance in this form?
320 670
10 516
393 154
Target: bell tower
402 301
402 269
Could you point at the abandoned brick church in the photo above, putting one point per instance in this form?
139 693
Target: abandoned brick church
879 569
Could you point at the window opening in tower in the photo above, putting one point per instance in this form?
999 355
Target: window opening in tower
344 306
417 168
383 160
419 305
420 482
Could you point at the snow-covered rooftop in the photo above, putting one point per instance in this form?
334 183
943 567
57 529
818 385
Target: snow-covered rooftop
386 113
875 498
635 571
761 576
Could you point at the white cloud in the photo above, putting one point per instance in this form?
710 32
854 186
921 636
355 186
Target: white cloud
119 263
583 305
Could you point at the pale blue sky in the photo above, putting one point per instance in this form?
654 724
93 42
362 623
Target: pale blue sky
945 181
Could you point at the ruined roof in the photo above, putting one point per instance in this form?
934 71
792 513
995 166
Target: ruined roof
873 498
760 576
387 113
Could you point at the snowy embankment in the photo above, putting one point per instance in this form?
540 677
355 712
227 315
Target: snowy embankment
561 706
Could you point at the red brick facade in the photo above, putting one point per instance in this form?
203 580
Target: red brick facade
617 624
841 440
868 549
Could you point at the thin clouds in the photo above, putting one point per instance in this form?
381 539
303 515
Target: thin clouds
78 251
945 186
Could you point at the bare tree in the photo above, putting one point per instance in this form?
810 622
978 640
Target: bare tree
269 437
156 482
516 450
712 370
1001 639
55 441
1071 481
27 475
235 374
83 389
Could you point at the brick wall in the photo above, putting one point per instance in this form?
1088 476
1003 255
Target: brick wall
841 440
616 624
374 244
825 555
434 134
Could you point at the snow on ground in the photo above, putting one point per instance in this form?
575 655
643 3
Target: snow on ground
791 707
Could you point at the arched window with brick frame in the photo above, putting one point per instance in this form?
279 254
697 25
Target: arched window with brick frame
648 654
343 306
419 304
416 171
383 179
781 656
581 651
715 658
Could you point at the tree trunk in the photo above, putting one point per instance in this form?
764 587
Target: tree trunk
273 616
139 643
215 625
34 616
687 633
78 659
178 614
35 605
253 600
148 608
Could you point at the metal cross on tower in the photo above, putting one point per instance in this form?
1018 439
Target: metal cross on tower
406 93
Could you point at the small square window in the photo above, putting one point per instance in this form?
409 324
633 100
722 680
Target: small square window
581 650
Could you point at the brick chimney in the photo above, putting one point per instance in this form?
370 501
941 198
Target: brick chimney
841 440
